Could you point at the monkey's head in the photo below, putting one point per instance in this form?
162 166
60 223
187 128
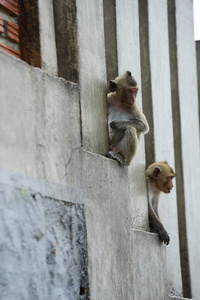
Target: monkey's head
125 88
160 175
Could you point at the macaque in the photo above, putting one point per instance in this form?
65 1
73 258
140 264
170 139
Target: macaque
125 120
159 176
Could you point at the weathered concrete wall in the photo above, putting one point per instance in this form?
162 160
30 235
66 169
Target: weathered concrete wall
187 82
198 73
163 130
118 255
42 129
178 150
43 252
44 124
115 251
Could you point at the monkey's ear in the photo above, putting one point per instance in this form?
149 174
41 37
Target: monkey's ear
112 86
128 73
156 172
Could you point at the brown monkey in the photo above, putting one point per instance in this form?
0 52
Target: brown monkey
159 176
126 121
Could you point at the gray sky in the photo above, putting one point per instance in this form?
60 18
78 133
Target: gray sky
196 19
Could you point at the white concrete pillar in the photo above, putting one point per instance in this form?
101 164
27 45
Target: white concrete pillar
47 37
198 72
163 130
128 45
92 75
188 97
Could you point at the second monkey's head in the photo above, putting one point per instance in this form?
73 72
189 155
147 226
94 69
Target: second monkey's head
160 175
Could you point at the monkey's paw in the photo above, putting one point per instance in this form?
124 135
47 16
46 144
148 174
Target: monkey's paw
164 237
116 156
113 125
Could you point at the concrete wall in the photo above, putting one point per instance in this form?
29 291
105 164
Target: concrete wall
43 240
187 82
163 130
198 72
129 59
35 129
75 224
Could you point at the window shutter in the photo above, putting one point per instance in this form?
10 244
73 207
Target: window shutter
9 31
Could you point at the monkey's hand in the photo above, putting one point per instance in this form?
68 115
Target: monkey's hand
120 125
164 236
113 125
141 125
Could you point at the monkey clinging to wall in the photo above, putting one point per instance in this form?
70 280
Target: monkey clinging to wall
159 176
125 120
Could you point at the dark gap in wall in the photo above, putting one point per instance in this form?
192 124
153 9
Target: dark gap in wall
198 73
29 34
178 151
109 9
83 291
146 80
65 19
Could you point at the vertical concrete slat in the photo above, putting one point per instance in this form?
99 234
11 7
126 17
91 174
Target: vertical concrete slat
109 8
92 72
146 80
47 36
128 45
29 32
163 131
178 151
188 97
198 73
65 18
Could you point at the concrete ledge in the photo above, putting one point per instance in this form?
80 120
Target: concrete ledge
178 298
45 188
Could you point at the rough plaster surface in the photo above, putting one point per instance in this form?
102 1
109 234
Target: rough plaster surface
187 81
40 120
43 251
163 131
115 251
41 136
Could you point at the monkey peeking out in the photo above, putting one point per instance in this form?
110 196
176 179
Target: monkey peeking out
125 120
159 176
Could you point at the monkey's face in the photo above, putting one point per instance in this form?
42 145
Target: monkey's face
125 88
165 184
160 176
129 95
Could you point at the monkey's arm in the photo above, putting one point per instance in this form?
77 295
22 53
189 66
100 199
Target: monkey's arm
155 223
138 124
137 120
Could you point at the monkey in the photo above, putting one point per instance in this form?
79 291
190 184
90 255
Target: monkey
126 122
159 176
